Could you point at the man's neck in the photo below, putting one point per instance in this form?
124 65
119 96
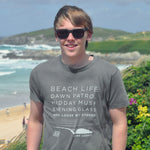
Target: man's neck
77 62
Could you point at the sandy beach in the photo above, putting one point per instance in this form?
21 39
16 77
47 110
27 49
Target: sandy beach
11 121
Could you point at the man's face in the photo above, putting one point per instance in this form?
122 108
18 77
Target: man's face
72 47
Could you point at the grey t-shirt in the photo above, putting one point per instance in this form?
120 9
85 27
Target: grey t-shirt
77 102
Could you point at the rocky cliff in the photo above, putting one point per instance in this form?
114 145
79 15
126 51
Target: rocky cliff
116 58
28 40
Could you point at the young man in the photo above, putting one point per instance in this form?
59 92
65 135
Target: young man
80 99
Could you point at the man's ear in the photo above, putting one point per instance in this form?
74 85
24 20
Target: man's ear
89 36
56 38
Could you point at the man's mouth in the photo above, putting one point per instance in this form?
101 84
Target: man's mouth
71 45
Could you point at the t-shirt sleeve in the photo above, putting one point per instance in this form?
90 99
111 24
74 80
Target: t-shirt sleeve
117 94
34 87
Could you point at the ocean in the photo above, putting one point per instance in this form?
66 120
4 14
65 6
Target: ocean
14 74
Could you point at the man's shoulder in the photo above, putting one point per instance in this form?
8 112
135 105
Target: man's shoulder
104 65
46 64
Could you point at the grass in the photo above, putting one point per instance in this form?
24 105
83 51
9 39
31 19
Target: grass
17 143
118 46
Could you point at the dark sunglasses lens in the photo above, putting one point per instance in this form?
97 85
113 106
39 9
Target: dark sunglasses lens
78 33
62 34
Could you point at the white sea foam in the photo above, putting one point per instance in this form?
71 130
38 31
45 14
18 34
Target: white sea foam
18 49
8 61
14 93
122 66
40 47
3 53
18 52
11 64
28 47
6 73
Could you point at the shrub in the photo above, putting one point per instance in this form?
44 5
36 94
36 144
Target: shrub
137 83
17 143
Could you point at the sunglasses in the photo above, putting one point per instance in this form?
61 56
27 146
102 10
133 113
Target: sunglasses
64 33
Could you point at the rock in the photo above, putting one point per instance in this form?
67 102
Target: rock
32 54
27 40
115 58
119 58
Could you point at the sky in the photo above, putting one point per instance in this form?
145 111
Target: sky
21 16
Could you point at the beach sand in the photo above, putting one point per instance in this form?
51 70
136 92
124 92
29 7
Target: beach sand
11 123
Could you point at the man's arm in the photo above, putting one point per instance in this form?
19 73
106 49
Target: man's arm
119 136
35 126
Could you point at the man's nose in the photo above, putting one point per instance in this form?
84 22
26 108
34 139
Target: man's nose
70 36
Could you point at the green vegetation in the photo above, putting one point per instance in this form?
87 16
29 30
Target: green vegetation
108 33
47 33
137 83
97 32
118 46
18 143
145 35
